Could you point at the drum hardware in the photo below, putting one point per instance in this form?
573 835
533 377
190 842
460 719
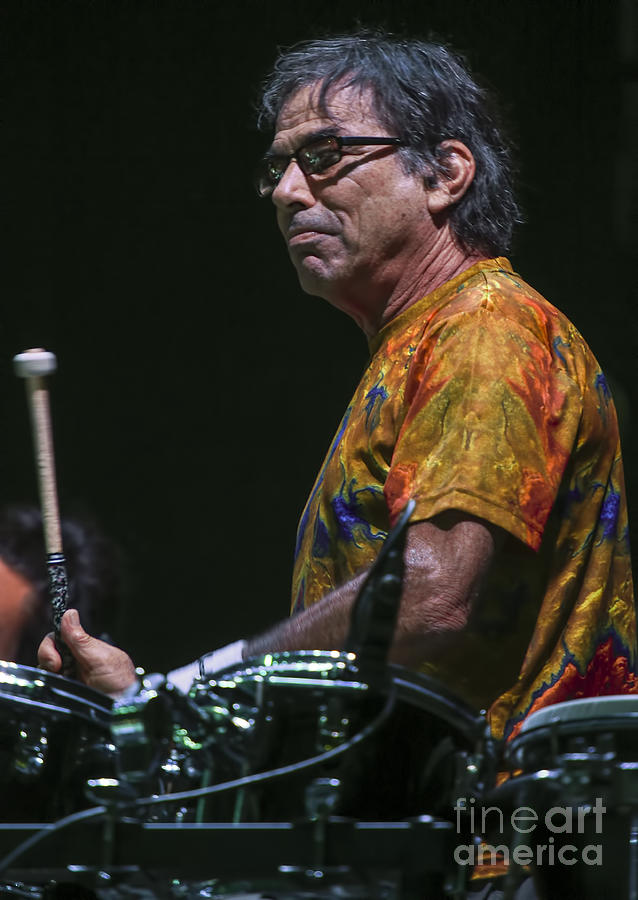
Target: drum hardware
626 780
578 760
475 774
632 886
223 737
471 775
363 861
156 734
322 799
30 751
20 889
333 724
112 794
227 719
584 766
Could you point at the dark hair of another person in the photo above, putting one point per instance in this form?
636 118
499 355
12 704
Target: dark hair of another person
93 570
424 94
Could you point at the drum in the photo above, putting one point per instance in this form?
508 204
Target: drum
575 798
54 734
283 709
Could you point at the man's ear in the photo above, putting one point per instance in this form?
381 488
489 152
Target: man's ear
458 173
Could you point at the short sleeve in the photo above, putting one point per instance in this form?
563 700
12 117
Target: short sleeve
491 418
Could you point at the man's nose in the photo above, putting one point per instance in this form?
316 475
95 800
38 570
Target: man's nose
293 188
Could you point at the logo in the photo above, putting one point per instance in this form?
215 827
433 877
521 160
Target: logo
524 820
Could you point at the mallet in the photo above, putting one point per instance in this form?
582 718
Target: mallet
33 366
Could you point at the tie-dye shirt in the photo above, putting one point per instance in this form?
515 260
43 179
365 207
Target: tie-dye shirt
483 397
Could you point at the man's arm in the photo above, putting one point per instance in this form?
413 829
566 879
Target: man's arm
446 560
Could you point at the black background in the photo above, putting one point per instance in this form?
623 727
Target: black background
198 387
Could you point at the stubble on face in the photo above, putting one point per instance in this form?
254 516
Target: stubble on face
349 231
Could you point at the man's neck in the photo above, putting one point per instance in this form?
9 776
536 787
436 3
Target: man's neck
425 278
375 303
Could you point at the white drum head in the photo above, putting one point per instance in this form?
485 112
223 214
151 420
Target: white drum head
585 709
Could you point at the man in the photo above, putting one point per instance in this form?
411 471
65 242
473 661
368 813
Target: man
481 402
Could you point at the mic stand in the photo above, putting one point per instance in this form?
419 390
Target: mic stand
376 607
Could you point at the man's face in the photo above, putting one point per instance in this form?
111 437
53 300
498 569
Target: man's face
352 230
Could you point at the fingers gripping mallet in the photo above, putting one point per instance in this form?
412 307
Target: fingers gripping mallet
33 366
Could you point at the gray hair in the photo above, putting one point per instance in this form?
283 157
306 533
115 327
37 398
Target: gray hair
425 94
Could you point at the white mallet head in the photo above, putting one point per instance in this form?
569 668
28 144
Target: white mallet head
34 362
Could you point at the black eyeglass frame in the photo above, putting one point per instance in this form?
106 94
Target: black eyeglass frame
265 188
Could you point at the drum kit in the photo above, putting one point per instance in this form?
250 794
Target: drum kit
289 776
292 776
310 775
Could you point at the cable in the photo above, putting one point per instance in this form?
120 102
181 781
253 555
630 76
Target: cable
281 771
46 830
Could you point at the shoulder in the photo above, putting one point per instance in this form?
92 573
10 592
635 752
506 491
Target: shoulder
496 302
507 297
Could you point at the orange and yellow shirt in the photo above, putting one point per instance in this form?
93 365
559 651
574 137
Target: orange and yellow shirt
483 397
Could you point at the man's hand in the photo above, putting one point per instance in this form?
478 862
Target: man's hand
99 665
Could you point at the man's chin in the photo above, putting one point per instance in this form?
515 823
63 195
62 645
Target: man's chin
313 277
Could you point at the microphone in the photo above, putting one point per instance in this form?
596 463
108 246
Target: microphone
375 609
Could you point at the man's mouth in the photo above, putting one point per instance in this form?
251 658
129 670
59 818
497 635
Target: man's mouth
303 233
300 237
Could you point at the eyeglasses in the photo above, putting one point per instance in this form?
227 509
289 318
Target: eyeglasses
313 158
